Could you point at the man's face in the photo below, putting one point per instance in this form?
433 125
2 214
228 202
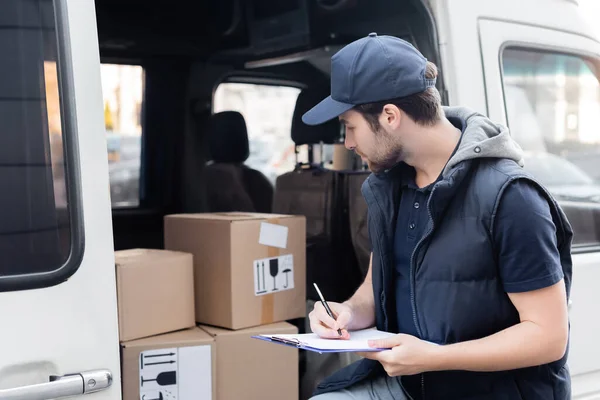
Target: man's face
380 150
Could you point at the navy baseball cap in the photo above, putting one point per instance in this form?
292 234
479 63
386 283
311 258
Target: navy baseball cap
372 69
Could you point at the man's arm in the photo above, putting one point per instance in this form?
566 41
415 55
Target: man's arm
540 337
356 313
362 303
529 264
531 273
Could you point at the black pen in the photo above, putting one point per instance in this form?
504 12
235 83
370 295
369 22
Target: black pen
326 306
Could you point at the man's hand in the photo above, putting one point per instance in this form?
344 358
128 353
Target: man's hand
325 326
408 355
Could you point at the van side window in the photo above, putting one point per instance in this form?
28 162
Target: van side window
123 90
41 240
553 111
268 112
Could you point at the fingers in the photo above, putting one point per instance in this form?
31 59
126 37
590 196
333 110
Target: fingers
325 318
325 326
343 320
386 343
327 333
384 359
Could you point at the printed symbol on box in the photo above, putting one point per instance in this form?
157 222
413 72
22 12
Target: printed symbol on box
160 397
163 379
158 375
144 359
274 270
281 270
259 277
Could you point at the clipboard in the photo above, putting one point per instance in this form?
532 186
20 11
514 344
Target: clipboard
358 341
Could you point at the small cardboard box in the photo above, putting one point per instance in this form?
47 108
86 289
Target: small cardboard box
249 269
179 365
253 369
155 292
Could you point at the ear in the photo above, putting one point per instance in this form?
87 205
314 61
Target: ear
391 116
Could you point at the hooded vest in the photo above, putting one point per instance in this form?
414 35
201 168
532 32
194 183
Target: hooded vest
456 291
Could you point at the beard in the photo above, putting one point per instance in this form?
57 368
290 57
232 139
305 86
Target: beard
386 153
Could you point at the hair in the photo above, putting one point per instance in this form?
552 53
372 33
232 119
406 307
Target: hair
423 108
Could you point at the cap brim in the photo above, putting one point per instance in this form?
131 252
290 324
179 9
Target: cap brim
324 111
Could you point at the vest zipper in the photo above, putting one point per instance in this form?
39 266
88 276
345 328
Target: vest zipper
384 263
413 272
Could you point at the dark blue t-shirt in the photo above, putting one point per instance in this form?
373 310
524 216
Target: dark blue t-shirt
524 238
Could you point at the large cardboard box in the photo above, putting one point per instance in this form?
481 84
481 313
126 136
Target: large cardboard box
174 366
252 369
249 269
155 291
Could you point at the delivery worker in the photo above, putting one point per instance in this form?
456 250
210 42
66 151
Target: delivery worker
471 262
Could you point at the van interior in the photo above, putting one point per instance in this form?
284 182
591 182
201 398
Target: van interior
191 153
188 50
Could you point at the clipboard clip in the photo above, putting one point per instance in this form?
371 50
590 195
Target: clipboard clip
291 342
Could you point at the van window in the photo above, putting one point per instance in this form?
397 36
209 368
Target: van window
553 111
123 90
40 238
268 112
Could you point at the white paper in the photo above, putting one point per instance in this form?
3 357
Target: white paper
176 373
273 235
272 275
359 340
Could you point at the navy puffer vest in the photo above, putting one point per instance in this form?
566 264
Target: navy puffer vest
456 290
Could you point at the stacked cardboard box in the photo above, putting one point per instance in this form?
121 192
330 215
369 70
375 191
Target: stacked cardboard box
249 277
164 355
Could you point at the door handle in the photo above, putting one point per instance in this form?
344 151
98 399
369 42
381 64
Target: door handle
61 386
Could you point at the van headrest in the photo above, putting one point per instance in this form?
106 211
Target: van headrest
327 133
228 138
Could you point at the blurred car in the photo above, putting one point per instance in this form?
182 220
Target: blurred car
124 169
563 179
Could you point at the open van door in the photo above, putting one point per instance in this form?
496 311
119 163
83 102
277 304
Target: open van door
543 83
58 311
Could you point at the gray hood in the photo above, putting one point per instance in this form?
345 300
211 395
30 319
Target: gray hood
481 139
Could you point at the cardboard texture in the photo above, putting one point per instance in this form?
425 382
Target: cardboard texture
252 369
247 271
155 292
179 365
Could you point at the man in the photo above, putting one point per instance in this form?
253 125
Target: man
471 261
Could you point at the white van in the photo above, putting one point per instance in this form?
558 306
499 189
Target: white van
531 64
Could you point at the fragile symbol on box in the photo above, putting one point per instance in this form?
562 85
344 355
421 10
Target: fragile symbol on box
158 375
175 373
272 275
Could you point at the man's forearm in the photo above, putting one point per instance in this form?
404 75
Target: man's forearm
523 345
363 307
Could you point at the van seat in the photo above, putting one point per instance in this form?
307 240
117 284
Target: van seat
231 185
357 211
319 195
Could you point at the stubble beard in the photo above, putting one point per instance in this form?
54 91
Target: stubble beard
388 152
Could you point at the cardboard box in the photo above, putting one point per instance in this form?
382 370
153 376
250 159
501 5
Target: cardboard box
252 369
155 292
179 365
236 256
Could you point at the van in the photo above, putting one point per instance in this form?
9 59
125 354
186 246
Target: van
106 108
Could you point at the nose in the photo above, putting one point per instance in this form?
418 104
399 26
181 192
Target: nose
349 142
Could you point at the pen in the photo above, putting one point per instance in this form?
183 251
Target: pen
326 305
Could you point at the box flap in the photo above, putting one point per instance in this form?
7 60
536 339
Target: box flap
231 216
280 327
183 337
137 256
